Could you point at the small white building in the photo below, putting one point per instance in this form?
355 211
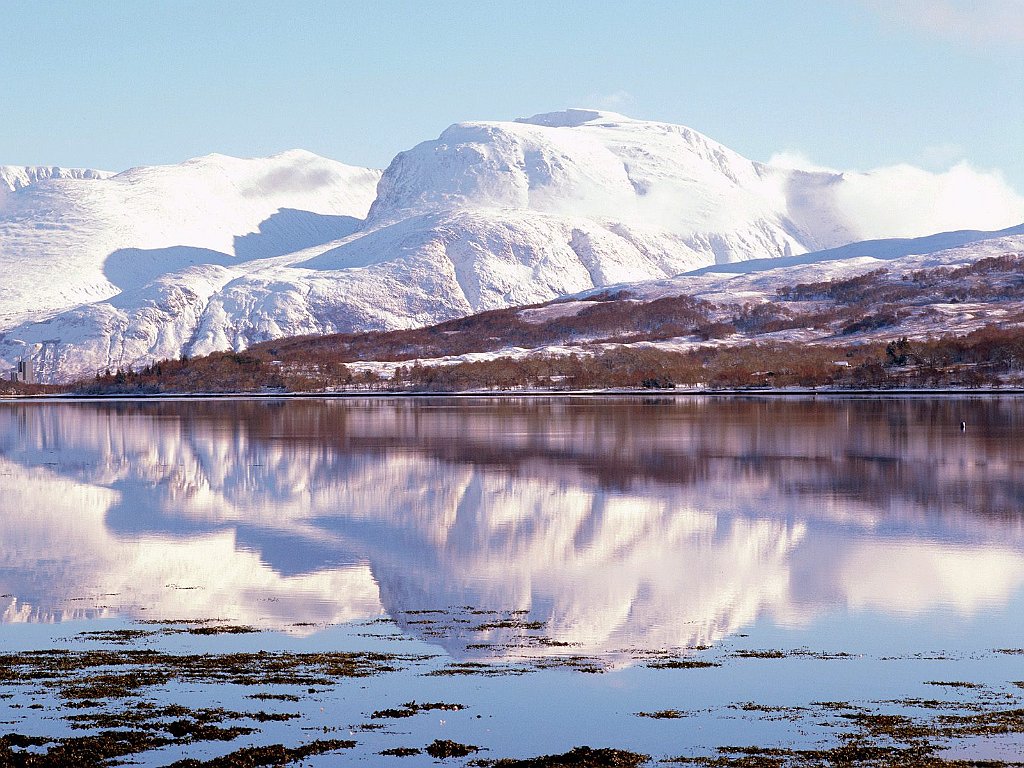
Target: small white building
24 373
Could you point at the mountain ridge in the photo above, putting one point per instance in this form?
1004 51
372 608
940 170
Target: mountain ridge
220 252
15 177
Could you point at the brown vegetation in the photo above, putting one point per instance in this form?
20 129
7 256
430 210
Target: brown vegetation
847 317
18 389
985 357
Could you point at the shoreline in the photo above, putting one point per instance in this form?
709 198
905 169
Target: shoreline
947 392
289 685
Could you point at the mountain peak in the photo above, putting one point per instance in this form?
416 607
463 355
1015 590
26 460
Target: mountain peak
573 117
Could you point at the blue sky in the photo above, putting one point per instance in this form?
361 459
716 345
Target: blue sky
851 84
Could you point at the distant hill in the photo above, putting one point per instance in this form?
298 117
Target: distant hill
950 318
220 253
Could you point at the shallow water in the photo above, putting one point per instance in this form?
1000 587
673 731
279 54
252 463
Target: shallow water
838 550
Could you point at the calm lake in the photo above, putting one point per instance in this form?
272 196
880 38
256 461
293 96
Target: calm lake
682 577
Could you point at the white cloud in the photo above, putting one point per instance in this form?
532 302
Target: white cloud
795 159
616 100
940 157
905 201
967 21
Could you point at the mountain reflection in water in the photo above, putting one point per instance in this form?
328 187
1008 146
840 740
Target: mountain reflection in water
619 523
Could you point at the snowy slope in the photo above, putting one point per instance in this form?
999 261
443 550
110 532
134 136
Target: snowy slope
219 253
762 281
631 313
769 281
63 233
889 249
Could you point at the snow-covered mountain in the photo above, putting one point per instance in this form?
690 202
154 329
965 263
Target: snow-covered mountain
64 233
116 268
217 253
15 177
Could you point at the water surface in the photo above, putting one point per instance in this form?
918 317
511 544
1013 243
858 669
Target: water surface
854 551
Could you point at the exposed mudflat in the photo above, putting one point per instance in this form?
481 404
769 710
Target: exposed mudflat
132 695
